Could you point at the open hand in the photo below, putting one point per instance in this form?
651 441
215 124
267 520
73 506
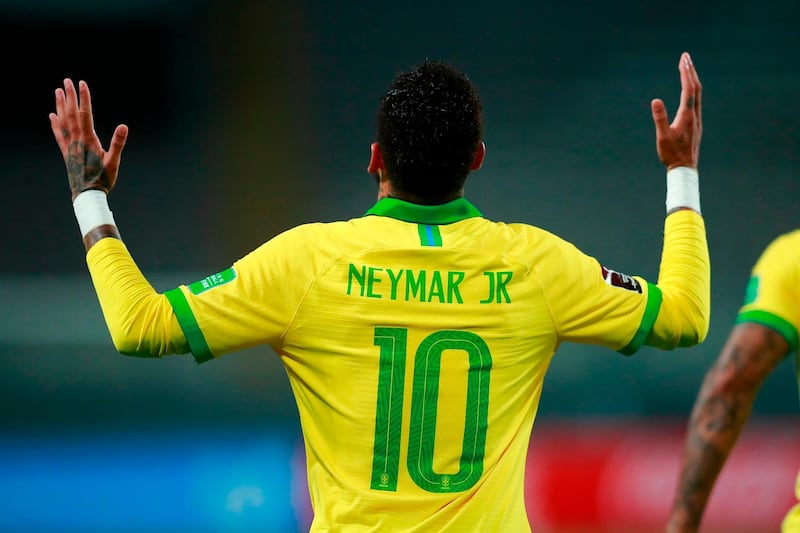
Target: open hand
678 143
89 166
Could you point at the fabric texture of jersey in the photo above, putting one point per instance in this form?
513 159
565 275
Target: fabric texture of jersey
416 340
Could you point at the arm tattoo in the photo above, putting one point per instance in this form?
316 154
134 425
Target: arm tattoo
715 424
75 166
85 169
721 411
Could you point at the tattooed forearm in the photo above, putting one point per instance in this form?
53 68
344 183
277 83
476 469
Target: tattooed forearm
721 411
715 425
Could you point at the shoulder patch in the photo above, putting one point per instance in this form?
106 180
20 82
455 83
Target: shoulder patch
751 292
618 279
214 280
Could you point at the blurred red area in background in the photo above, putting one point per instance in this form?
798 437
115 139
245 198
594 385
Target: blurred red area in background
619 476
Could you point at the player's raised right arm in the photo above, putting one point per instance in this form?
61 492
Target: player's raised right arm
139 319
89 166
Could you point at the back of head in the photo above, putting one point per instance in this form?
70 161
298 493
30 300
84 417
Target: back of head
429 125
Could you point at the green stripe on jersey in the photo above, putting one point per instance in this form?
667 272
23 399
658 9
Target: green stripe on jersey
189 325
772 321
429 235
648 319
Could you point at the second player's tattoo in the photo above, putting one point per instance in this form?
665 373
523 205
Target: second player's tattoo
720 413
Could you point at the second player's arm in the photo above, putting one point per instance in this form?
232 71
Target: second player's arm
720 412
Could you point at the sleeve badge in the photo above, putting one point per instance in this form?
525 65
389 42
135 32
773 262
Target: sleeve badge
618 279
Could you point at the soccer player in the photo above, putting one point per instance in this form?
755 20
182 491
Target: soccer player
766 331
416 337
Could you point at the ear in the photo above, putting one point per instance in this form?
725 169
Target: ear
375 159
480 153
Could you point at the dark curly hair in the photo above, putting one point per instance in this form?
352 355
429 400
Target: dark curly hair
429 124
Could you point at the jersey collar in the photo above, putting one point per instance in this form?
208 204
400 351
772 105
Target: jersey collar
453 211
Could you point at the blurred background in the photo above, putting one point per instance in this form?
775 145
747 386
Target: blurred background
248 117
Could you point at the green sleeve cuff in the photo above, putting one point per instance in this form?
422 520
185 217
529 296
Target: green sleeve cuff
188 323
783 327
648 319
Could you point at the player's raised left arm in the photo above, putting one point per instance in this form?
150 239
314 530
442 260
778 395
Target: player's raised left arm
685 271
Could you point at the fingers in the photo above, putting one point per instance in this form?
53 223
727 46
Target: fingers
119 138
60 102
74 113
112 157
115 148
58 133
659 111
56 123
85 110
698 86
70 116
690 85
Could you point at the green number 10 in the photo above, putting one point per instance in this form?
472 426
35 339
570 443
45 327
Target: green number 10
424 403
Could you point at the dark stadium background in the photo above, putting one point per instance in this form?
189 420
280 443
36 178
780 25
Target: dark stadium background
248 117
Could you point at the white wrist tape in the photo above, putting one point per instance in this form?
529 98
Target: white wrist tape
91 210
683 188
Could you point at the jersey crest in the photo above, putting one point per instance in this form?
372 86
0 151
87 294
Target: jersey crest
618 279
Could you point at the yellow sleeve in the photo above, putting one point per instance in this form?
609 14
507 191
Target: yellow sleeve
685 282
592 304
254 301
773 292
139 319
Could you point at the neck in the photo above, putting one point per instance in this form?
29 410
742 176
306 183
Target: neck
388 192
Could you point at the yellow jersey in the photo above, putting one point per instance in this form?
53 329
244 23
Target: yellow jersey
416 340
772 297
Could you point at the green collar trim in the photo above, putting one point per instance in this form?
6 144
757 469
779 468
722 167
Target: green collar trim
454 211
